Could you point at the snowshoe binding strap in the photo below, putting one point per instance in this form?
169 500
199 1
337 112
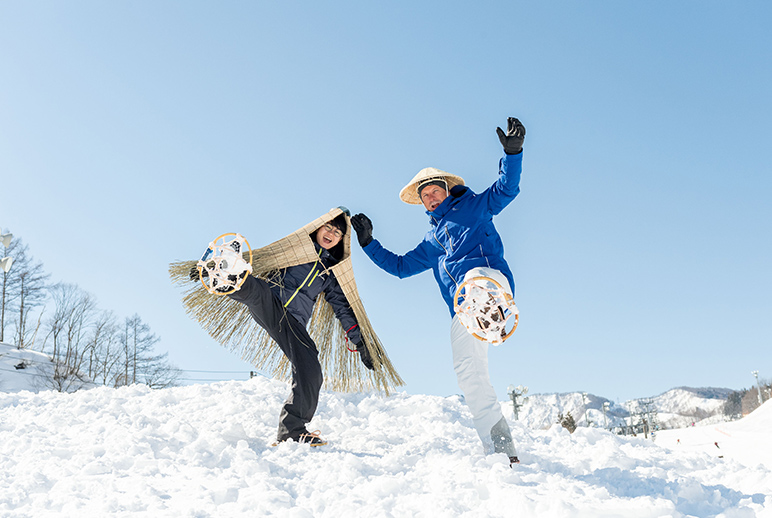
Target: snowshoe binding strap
312 438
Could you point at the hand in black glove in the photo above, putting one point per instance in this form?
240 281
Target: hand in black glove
364 229
513 139
364 355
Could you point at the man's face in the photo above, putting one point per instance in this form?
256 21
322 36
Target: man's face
432 196
328 236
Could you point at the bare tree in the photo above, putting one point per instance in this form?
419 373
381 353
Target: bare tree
23 290
140 364
103 349
31 294
159 373
750 398
733 408
66 338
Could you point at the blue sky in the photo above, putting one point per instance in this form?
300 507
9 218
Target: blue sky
133 133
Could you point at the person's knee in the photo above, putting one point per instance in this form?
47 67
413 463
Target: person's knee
309 370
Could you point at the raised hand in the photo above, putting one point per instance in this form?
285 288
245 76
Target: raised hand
364 229
513 139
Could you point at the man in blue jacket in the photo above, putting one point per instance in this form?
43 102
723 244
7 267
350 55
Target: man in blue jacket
462 243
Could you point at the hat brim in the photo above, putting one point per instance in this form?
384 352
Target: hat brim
409 193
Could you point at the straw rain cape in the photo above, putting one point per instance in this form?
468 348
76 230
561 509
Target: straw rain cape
231 324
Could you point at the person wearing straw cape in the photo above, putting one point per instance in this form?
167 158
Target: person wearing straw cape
462 243
301 286
284 309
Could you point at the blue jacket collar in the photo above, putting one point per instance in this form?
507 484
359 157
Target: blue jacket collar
447 204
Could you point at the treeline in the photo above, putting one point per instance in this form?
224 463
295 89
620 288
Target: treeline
87 344
743 402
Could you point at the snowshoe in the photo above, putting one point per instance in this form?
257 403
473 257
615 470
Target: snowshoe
225 264
486 309
310 438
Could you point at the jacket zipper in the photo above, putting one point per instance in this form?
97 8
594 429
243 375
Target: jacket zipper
444 267
314 271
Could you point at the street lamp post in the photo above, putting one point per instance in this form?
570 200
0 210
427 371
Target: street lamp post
6 262
758 386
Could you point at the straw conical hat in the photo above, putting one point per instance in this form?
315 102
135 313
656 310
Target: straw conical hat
409 193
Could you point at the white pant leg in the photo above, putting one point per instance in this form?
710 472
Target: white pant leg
470 361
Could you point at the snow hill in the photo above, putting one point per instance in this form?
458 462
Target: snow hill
206 451
23 369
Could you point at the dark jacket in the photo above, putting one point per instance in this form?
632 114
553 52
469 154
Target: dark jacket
299 286
462 235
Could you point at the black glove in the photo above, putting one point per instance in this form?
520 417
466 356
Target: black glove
364 229
364 355
513 139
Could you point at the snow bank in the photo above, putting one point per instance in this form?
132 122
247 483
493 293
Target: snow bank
22 369
205 450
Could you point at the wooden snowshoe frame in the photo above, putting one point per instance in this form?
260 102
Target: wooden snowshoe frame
226 264
484 310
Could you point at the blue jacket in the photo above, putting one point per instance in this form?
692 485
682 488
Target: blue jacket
462 236
298 287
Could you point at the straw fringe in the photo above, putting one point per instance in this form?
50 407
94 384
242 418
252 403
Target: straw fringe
231 324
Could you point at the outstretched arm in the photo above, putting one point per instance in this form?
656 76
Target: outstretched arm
412 263
507 187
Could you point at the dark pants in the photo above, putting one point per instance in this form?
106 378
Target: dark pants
294 341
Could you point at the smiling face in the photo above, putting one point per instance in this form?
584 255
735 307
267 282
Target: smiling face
432 196
328 236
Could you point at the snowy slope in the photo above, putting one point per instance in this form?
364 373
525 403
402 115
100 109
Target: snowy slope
31 370
677 408
748 441
683 406
541 411
205 451
23 369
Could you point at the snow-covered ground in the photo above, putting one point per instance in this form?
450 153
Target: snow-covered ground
205 451
23 369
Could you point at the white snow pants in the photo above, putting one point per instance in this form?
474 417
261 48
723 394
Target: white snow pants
470 361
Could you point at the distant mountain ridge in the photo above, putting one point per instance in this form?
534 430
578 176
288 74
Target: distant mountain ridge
676 408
